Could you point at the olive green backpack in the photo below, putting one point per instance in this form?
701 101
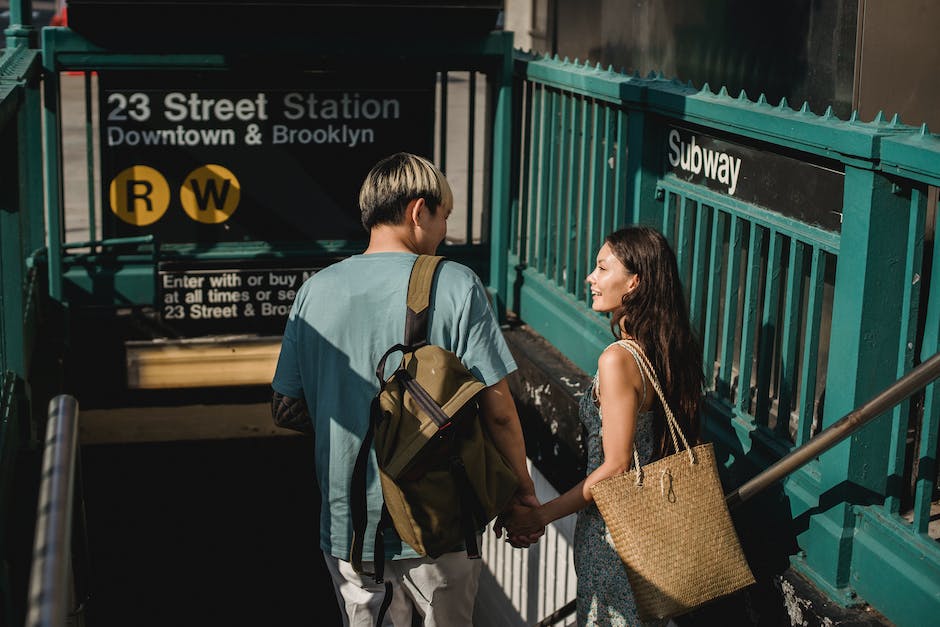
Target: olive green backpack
442 478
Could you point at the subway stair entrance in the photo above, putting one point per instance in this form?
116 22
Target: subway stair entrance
201 531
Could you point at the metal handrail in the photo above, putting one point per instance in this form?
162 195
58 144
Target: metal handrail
49 577
915 380
902 389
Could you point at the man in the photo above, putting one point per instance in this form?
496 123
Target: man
342 321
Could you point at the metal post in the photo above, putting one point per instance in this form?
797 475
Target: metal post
52 136
499 206
20 30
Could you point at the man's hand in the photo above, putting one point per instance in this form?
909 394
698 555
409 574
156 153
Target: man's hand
522 505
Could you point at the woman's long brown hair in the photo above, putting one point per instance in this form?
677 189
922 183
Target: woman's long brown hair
656 315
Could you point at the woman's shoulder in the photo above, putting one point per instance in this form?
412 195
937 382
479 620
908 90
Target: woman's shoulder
618 351
617 359
612 353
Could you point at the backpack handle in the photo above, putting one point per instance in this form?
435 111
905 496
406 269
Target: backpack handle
380 369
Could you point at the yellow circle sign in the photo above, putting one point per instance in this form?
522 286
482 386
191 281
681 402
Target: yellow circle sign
139 195
210 194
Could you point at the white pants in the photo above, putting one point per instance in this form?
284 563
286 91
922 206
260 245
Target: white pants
443 590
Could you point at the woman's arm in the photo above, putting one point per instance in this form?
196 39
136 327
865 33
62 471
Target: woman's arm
620 386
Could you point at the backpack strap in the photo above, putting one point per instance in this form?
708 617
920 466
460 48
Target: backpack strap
359 511
419 299
416 334
417 312
470 510
357 495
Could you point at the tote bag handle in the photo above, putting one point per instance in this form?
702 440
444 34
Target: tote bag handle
675 431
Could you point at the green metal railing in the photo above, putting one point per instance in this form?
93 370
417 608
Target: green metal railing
799 322
746 274
22 237
893 540
21 230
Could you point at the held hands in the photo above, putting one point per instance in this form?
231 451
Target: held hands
520 522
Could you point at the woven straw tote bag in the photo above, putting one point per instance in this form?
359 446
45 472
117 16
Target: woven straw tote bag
670 525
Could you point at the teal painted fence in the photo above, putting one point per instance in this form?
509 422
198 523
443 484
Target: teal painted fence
799 323
21 250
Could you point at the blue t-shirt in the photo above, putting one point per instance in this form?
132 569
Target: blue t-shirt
343 320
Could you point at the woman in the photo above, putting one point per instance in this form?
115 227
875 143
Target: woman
637 282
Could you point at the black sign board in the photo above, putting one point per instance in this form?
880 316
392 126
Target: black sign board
210 157
805 190
211 301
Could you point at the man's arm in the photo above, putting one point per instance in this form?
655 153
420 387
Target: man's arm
291 413
501 420
499 415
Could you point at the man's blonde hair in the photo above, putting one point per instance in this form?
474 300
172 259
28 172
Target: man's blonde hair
395 181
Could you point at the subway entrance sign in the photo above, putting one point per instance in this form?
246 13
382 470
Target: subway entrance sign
808 189
206 299
230 157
